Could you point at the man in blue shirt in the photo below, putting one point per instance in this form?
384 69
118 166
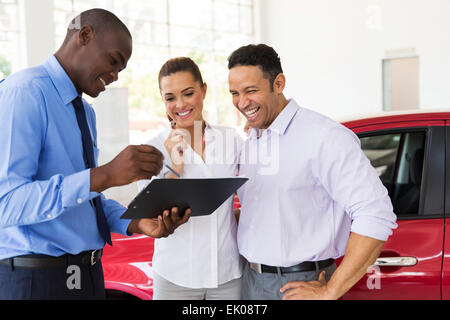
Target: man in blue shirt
52 213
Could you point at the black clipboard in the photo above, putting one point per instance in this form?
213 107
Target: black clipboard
203 196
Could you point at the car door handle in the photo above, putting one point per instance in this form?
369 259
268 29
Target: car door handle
396 262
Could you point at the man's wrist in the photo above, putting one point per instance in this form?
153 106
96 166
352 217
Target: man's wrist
178 169
331 293
133 227
99 180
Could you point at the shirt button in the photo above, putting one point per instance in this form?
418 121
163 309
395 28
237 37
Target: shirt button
80 201
49 216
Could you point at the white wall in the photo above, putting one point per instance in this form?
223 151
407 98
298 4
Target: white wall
111 109
332 50
37 31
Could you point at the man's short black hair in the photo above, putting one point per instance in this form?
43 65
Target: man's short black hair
100 20
259 55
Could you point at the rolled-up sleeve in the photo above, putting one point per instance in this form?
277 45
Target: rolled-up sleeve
352 182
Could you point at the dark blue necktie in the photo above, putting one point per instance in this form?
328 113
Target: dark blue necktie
88 149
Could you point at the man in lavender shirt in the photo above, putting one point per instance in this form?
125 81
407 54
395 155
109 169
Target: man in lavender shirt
313 196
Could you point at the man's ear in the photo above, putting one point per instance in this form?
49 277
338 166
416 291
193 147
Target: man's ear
279 84
85 35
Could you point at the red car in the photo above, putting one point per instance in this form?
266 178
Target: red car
410 153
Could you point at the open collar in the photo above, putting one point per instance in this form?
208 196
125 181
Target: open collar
281 123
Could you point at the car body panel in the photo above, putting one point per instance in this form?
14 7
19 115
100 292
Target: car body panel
398 117
127 265
421 239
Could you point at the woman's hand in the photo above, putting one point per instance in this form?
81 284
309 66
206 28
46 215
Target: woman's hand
176 144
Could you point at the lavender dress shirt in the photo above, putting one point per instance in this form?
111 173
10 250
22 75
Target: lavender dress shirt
310 186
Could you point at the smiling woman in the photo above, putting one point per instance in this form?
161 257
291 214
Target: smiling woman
188 265
182 87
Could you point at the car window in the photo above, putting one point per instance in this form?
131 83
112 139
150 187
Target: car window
398 161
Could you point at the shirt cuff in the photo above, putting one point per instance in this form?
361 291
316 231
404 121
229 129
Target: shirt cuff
75 189
122 228
373 228
113 211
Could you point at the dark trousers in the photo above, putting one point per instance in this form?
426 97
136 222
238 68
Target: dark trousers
72 283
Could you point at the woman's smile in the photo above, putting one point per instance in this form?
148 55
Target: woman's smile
184 114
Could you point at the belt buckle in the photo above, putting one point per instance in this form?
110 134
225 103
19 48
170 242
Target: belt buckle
94 259
256 267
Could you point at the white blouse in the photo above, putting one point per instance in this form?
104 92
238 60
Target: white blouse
203 252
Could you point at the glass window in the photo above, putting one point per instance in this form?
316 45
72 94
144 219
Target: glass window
205 30
192 13
398 160
9 37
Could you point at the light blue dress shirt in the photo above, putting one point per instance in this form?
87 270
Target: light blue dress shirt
45 193
310 186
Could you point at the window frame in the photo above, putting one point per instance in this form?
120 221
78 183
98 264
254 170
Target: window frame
447 170
432 190
399 147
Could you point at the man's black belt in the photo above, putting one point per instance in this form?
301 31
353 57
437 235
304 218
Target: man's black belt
43 262
302 267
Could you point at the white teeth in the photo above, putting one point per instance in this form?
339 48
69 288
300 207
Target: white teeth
184 114
103 81
252 112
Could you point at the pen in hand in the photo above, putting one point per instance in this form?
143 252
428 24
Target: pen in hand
172 170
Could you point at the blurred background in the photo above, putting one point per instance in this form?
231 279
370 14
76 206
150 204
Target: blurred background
341 57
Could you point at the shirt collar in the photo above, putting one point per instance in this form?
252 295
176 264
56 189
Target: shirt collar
61 80
282 122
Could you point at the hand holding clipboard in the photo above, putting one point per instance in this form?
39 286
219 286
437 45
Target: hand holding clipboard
161 226
201 196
